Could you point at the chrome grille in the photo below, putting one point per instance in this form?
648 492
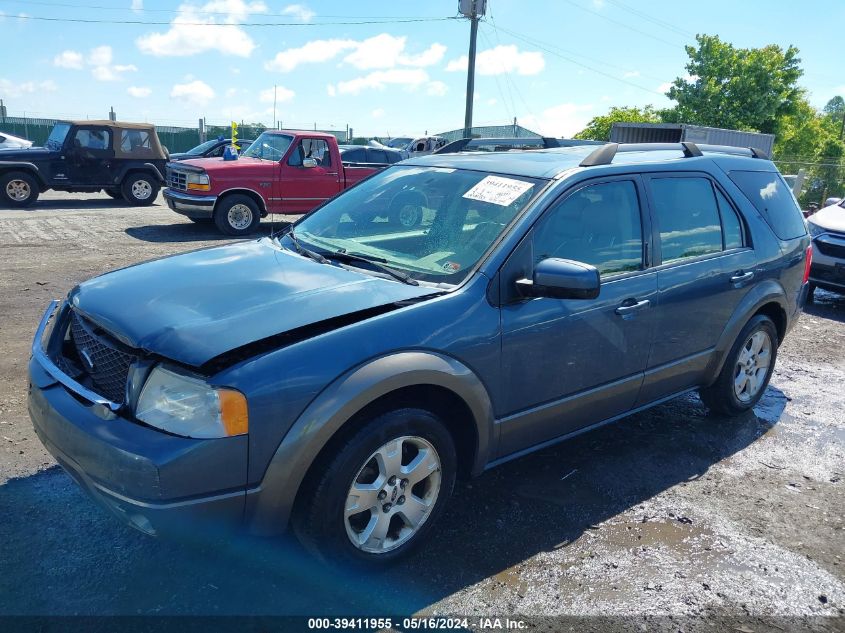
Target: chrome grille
177 179
100 359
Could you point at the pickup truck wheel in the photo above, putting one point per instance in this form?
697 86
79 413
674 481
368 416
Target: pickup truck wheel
140 189
381 493
237 215
18 189
747 369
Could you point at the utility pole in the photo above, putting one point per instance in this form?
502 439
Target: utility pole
472 9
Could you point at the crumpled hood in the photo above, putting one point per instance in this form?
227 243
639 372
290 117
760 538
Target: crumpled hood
830 218
196 306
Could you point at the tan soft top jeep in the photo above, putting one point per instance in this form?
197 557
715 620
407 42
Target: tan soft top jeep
125 160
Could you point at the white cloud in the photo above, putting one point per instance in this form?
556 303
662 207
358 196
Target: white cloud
492 102
137 5
16 89
436 89
377 113
380 51
502 59
664 87
598 4
311 52
139 92
631 73
231 92
194 93
299 11
331 90
379 79
100 56
282 94
189 33
68 59
564 119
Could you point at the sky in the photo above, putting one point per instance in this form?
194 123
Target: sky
383 68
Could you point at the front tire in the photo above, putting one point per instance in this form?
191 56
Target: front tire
381 491
747 370
237 215
18 190
140 189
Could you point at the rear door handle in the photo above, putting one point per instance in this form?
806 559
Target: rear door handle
740 277
632 305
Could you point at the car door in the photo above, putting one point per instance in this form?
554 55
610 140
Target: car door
302 187
567 364
88 156
705 266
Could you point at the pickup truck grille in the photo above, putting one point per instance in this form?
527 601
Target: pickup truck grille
99 357
177 179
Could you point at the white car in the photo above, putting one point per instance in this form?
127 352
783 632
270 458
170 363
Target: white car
827 228
7 141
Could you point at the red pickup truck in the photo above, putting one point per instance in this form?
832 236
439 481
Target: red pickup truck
288 172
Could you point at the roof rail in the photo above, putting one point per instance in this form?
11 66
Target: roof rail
605 154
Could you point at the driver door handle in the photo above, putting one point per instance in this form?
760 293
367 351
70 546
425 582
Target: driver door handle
632 305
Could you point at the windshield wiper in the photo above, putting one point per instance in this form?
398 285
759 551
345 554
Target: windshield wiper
377 263
299 248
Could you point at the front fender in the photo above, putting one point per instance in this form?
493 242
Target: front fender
768 291
20 165
269 507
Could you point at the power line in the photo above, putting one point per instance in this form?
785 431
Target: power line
650 18
622 24
238 24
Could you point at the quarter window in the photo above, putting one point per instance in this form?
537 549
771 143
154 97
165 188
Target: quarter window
134 140
731 225
598 225
687 217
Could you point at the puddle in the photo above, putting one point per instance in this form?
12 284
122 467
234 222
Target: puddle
685 539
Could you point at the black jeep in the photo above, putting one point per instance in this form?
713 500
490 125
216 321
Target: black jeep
123 159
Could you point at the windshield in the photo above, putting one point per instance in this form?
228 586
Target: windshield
57 137
432 223
269 146
201 149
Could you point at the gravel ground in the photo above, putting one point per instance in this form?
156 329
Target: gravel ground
665 520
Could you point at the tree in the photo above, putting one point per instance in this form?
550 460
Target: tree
737 88
598 129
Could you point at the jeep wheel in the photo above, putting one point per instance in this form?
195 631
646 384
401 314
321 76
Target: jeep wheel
380 492
747 370
237 215
18 189
140 189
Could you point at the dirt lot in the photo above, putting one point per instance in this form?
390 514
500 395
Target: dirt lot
669 517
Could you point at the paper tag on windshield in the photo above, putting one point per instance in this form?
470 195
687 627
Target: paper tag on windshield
498 190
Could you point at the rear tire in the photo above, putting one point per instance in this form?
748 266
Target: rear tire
237 215
747 370
402 464
140 189
811 293
18 190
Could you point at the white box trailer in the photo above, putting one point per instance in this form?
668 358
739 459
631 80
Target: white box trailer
678 132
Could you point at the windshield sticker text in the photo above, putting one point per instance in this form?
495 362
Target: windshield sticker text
498 190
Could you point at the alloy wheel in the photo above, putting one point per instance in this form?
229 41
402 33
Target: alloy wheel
392 495
752 366
18 190
141 190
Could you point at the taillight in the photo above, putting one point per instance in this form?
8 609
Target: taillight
807 263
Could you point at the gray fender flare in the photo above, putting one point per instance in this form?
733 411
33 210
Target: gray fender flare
6 166
768 291
269 507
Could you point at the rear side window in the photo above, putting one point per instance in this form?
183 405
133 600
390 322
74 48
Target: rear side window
770 195
377 156
731 225
687 217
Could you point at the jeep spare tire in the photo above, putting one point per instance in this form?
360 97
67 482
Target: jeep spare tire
140 189
18 189
237 215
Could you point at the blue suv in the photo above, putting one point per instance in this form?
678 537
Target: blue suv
339 376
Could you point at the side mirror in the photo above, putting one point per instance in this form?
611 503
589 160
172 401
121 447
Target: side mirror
309 162
561 279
